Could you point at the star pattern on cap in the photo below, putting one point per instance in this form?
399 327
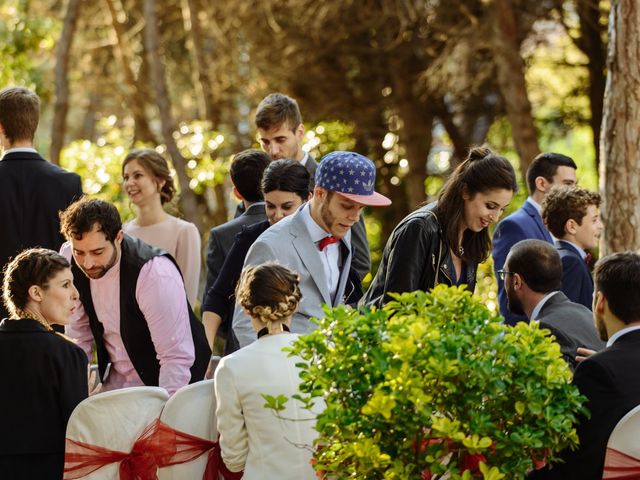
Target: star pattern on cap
346 172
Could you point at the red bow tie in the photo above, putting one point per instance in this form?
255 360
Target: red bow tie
588 258
327 241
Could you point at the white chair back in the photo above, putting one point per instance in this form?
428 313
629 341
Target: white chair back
625 438
115 420
192 410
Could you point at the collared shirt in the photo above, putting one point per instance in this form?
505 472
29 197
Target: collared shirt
535 204
580 250
538 307
330 256
305 159
160 296
20 150
620 333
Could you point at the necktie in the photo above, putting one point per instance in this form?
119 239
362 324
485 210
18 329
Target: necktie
588 259
327 241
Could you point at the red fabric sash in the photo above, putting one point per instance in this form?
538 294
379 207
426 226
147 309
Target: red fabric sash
620 466
158 446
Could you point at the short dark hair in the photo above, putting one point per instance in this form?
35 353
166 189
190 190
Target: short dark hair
481 172
276 109
19 113
35 266
246 172
287 176
566 203
538 263
617 276
81 216
546 165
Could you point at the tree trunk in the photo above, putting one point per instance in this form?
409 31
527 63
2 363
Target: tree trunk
510 76
591 44
61 106
417 121
188 201
204 81
620 154
135 98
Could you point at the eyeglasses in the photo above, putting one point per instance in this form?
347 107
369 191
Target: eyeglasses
503 274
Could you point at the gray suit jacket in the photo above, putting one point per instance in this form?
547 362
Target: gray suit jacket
572 325
221 240
288 242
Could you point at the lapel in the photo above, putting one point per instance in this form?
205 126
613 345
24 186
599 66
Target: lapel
533 213
309 255
345 267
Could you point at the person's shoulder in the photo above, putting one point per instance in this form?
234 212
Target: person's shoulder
423 218
182 225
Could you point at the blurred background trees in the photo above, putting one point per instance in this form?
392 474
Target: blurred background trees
411 84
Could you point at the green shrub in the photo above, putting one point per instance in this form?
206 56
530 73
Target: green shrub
433 383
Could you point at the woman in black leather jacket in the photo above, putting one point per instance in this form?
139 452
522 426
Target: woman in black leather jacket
444 241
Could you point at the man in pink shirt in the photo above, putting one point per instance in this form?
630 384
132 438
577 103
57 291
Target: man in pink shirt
133 304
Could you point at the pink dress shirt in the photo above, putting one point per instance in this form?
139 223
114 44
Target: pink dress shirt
161 298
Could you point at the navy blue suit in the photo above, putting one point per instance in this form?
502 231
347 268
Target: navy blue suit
577 283
524 223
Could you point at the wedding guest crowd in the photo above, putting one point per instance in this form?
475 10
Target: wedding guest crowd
125 293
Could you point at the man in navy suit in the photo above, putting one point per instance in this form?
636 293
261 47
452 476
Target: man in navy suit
609 379
571 215
32 190
546 170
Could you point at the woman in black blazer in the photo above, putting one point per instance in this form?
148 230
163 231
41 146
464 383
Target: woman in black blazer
43 375
285 186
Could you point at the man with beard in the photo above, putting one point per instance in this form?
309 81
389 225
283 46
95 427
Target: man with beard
315 242
133 304
532 278
281 135
609 379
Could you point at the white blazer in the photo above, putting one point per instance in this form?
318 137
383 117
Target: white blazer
251 436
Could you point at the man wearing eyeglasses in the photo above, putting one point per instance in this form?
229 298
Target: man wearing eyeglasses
532 277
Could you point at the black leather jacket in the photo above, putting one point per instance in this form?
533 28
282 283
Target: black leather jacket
416 257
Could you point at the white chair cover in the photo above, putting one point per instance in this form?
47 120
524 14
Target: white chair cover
624 439
192 410
115 420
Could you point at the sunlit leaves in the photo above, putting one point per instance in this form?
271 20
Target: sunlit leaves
432 384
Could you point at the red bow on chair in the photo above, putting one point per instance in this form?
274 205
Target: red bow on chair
158 446
620 466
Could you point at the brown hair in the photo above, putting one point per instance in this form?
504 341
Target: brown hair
80 217
157 166
269 292
35 266
481 172
546 166
19 113
276 109
566 203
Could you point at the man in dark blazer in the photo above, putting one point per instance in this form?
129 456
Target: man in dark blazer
545 171
246 175
281 135
532 276
609 379
571 215
32 190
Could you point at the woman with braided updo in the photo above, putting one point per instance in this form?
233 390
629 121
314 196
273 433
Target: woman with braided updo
43 375
252 438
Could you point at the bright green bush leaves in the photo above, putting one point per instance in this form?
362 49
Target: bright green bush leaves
434 383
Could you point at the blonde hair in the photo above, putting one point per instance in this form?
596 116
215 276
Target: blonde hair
269 292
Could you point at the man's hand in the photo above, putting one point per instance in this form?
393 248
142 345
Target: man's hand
584 353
